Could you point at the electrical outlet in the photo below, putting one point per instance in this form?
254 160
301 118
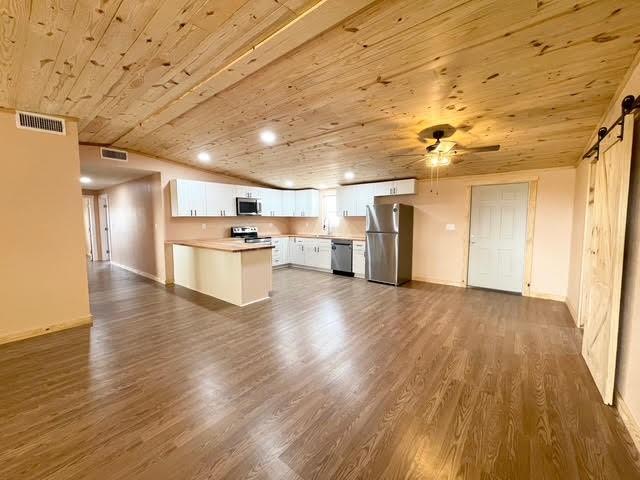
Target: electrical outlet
204 226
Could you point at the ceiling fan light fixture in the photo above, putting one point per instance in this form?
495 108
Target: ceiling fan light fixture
438 160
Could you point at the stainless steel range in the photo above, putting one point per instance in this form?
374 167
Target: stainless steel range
250 234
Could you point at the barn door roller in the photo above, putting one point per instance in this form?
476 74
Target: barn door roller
628 105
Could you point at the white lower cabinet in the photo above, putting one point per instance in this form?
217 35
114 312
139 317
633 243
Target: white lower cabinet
296 251
358 258
310 252
317 253
280 252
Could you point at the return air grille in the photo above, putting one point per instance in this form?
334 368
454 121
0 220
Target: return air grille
112 154
40 123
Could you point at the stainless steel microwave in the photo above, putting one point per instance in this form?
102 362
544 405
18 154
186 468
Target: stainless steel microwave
248 206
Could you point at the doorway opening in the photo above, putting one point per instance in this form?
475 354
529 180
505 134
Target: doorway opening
89 217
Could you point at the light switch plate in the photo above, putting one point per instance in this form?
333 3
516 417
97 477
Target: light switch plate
451 227
204 226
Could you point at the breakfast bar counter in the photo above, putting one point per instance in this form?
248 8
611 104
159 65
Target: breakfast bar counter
228 269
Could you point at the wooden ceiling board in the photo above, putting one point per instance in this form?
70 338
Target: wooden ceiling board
345 85
252 24
14 21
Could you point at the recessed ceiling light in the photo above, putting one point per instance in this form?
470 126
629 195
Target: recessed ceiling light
204 157
349 175
288 183
85 180
268 137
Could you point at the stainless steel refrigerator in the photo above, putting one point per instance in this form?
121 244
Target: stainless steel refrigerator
389 243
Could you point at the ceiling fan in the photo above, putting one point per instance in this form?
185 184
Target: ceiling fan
439 154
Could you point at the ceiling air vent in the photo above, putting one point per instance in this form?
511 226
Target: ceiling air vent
113 154
40 123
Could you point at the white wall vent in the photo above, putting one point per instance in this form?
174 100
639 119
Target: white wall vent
113 154
40 123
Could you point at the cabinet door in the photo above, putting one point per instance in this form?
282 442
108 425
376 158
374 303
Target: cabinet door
284 250
275 203
383 188
342 200
245 191
323 254
288 203
346 201
302 206
314 203
180 200
405 187
296 251
358 258
364 197
310 252
219 200
191 198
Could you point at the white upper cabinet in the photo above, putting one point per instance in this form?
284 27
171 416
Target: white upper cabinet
347 201
220 199
364 197
288 203
307 203
352 200
244 191
381 189
396 187
271 202
188 198
191 198
405 187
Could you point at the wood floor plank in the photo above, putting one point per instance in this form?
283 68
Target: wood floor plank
333 378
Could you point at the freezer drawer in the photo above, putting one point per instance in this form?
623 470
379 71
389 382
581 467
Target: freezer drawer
382 257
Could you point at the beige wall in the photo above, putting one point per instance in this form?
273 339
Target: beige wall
167 227
133 218
43 280
439 254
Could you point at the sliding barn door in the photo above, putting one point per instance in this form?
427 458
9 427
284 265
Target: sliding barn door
606 248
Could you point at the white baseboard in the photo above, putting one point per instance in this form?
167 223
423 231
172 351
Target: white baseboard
628 420
15 336
548 296
138 272
438 281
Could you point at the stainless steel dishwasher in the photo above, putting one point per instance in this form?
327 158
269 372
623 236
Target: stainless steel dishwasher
342 257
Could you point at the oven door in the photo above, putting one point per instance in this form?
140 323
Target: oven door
248 206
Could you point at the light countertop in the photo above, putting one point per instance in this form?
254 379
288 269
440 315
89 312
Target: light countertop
223 244
357 238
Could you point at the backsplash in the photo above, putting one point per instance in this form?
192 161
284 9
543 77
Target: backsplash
346 226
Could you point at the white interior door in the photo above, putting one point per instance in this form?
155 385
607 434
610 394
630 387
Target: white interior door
105 232
498 236
606 243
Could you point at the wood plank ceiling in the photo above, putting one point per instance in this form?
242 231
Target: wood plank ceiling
343 85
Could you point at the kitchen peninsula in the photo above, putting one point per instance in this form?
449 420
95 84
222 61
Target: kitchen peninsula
228 269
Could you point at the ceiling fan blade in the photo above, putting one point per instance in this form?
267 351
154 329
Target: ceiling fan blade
487 148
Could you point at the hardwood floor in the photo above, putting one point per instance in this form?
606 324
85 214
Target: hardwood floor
332 378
